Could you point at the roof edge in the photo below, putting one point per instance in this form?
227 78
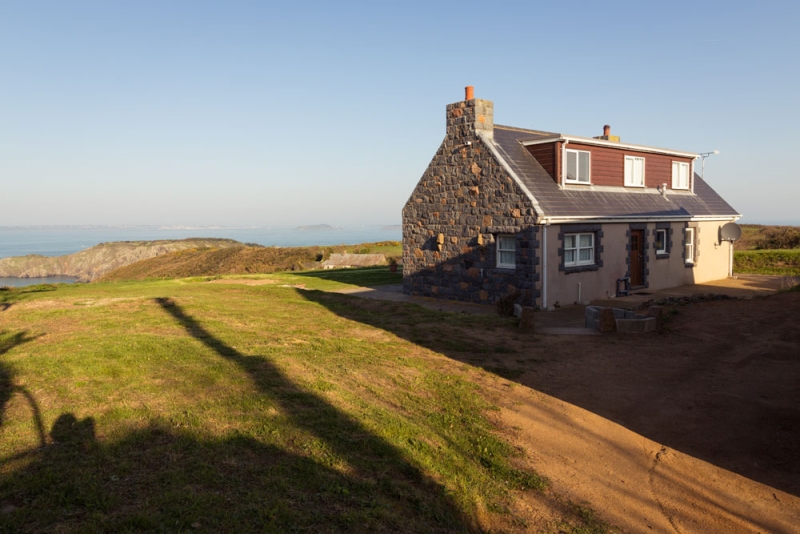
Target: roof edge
610 144
537 209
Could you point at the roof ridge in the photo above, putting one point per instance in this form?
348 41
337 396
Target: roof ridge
525 130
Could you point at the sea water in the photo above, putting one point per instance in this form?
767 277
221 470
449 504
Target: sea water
61 240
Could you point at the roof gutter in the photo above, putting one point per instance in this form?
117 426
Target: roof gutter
612 144
632 219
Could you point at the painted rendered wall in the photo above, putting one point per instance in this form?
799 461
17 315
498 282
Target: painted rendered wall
711 263
562 288
667 270
712 256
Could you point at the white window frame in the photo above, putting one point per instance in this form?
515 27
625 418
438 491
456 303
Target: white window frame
663 242
577 154
504 247
630 175
680 180
690 245
577 262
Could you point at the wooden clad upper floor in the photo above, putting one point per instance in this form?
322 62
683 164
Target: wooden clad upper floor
612 166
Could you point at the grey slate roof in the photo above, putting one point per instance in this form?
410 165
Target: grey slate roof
582 201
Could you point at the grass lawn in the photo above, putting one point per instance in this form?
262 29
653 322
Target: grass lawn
185 405
779 261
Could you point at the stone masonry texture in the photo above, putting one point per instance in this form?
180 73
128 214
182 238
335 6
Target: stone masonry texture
464 201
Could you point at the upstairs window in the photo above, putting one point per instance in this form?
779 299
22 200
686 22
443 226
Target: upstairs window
634 171
680 175
578 249
506 251
578 167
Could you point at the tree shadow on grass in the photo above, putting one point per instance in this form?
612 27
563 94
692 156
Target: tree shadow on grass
159 478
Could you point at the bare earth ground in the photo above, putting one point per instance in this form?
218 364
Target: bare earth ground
696 429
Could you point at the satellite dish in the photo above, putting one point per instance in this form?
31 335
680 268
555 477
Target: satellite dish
730 232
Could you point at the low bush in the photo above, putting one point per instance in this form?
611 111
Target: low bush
505 305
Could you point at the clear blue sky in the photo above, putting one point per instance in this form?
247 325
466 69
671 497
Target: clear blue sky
285 113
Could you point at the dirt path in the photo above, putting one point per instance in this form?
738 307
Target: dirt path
696 429
693 430
635 483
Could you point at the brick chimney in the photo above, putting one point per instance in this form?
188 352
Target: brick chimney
607 135
470 116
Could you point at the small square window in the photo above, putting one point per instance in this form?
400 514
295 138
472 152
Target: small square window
506 251
578 249
661 241
634 171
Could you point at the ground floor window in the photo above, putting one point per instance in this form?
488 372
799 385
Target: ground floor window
661 241
506 251
689 247
578 249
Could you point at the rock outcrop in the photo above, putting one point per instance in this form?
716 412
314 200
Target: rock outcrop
88 265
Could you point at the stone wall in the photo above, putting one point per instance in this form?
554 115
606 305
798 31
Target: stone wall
464 200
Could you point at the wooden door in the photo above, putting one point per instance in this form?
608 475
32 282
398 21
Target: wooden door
637 258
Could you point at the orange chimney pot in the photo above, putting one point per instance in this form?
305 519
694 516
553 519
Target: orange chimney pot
470 92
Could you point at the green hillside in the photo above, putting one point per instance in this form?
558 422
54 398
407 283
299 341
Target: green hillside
90 264
240 260
190 405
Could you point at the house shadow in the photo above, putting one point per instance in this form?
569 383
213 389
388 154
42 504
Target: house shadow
742 446
165 478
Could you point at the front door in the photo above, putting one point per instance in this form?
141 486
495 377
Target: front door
637 258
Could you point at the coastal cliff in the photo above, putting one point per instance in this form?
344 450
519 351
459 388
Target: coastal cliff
90 264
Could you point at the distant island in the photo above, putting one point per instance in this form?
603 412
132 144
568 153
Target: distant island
315 227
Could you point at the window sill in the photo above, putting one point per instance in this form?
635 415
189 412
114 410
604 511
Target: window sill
689 265
662 255
569 182
634 185
580 268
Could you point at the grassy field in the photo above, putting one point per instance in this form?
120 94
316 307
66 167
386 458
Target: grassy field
766 249
783 262
192 404
242 259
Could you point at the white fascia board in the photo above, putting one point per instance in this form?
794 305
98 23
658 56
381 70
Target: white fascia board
612 144
537 209
633 219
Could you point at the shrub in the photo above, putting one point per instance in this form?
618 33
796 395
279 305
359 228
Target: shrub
779 237
505 305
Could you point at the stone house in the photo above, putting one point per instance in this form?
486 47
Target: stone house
556 218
